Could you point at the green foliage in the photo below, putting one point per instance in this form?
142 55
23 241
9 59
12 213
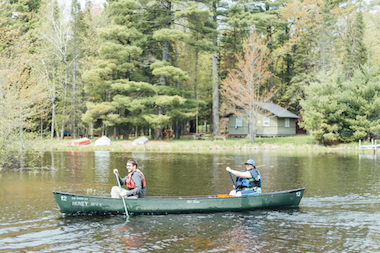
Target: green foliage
363 102
168 34
176 74
356 51
338 110
323 109
22 98
157 121
372 33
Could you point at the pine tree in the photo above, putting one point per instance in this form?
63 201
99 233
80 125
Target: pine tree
323 108
127 84
312 46
363 104
356 52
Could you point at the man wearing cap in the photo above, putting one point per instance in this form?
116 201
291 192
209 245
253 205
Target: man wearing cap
248 181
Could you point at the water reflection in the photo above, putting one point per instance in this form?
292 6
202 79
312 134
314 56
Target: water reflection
367 157
193 232
102 165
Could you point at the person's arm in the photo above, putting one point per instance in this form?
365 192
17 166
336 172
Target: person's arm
255 174
121 180
137 179
245 174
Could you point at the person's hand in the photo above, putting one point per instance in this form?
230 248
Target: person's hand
122 194
228 169
115 171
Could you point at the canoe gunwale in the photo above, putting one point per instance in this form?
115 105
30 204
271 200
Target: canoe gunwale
72 204
180 197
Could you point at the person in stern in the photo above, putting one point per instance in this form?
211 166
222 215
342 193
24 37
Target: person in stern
135 182
248 181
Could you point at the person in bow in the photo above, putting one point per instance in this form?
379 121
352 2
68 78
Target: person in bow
134 181
248 181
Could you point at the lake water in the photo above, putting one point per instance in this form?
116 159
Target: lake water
340 211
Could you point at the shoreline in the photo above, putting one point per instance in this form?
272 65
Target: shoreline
301 143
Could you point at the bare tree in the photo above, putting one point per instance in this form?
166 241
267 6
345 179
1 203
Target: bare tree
244 86
55 34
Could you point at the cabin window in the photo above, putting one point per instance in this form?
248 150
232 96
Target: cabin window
265 121
239 122
287 123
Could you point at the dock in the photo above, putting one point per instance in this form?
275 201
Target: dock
374 146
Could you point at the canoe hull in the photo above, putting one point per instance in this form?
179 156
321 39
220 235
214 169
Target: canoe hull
82 204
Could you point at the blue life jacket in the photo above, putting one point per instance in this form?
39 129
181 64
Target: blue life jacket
249 183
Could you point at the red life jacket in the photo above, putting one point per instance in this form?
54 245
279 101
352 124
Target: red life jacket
129 182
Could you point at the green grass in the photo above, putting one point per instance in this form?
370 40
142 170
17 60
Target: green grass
185 144
295 140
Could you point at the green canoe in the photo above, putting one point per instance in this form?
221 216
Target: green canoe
82 204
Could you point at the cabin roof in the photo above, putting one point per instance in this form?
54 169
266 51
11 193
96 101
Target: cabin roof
277 110
274 109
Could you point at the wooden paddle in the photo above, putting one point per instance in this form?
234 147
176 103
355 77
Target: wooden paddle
121 190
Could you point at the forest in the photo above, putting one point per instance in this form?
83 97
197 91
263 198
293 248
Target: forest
145 66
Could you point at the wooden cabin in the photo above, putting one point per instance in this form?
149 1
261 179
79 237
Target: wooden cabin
272 121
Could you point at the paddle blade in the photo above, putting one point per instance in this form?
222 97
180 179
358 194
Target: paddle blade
224 196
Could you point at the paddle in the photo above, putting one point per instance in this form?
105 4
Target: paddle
125 205
233 182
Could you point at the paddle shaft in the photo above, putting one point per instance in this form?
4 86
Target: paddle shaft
121 190
233 182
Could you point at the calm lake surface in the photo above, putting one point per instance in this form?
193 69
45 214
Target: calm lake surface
340 211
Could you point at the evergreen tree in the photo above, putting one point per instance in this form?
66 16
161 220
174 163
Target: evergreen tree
130 86
356 52
323 108
198 44
336 109
312 46
79 29
118 54
372 21
363 104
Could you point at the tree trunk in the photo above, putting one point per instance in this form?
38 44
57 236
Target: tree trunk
215 83
165 57
196 89
126 132
74 106
271 67
53 106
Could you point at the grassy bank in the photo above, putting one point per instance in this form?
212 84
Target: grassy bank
185 144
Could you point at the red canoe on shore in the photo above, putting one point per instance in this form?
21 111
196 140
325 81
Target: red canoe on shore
82 141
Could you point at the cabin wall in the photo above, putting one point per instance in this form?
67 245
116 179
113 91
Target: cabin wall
276 127
237 130
286 131
270 130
